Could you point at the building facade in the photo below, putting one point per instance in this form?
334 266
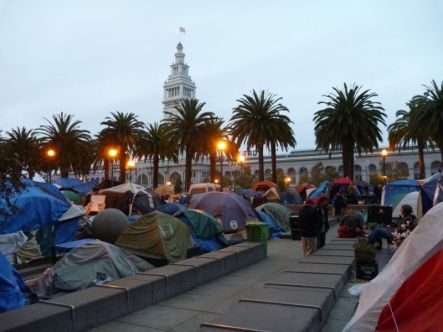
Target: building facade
295 164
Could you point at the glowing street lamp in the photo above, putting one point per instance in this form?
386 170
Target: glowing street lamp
384 153
221 146
50 153
168 183
287 180
216 181
241 160
112 153
130 165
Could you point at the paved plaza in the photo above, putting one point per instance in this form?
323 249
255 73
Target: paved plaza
206 303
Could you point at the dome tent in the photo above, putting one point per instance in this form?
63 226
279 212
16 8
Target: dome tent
158 234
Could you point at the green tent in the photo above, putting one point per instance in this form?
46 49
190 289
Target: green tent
159 234
73 196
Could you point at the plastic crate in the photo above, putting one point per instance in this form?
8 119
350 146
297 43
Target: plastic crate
258 232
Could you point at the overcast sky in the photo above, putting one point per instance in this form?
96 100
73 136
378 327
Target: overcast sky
92 57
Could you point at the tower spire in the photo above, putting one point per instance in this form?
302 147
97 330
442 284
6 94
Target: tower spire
179 85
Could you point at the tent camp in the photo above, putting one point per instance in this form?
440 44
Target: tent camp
431 190
232 209
206 231
157 234
36 210
302 189
412 199
74 184
91 264
292 197
128 196
421 245
272 195
394 188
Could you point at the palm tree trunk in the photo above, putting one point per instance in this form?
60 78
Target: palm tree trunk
155 163
261 163
188 169
348 160
274 162
421 159
213 164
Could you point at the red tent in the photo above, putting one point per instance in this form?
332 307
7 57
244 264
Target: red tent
417 304
304 186
342 181
263 185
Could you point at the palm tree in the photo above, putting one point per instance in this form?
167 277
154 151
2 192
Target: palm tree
185 127
155 145
349 122
69 140
284 138
430 115
124 129
255 121
404 132
24 146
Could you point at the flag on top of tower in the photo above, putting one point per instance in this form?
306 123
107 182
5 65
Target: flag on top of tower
182 30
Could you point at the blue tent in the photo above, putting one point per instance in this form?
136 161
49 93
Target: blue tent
76 185
67 182
13 291
275 230
37 205
431 191
394 188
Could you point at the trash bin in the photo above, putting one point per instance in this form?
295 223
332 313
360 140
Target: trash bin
258 232
295 227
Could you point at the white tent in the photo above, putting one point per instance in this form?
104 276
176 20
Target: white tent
417 248
411 199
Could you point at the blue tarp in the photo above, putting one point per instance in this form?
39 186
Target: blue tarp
36 206
275 230
399 187
317 192
76 185
13 291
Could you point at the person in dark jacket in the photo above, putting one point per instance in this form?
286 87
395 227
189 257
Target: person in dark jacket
310 226
339 205
322 210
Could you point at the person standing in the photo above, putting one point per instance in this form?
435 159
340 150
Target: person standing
339 205
310 226
322 211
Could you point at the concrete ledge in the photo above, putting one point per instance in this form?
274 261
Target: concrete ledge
312 280
333 252
344 270
37 317
96 305
339 246
329 260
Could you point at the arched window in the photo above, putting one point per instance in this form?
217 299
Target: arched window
357 172
435 166
161 178
303 171
174 177
372 169
403 169
228 174
340 170
291 174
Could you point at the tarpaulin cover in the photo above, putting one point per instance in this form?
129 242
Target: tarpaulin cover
398 187
13 291
91 264
425 241
431 191
170 208
36 206
159 234
278 212
67 182
319 191
205 229
85 188
232 209
416 306
274 228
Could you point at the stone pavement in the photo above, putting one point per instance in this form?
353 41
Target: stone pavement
185 312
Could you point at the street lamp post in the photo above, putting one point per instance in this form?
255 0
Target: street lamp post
112 153
384 153
50 153
221 146
130 165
